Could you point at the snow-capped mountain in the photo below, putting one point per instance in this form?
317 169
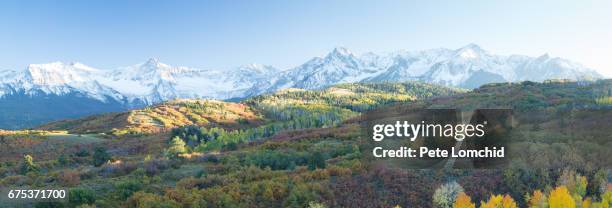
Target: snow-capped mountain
467 67
339 66
142 84
152 81
46 92
56 78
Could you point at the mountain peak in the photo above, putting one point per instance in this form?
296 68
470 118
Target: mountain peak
58 73
340 55
341 51
55 64
152 62
60 66
154 65
470 51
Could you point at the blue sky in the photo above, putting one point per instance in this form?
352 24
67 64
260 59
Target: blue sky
222 34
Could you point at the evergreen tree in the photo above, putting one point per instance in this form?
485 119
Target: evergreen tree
100 156
62 159
316 161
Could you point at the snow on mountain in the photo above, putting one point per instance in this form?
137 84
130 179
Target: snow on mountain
152 81
546 67
405 65
466 62
339 66
149 82
56 78
141 84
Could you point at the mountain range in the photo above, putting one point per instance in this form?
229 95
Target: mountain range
46 92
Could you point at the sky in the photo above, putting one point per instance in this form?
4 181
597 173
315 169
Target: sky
221 34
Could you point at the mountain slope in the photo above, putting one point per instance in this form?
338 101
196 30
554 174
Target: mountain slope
154 82
348 99
167 115
32 108
57 79
339 66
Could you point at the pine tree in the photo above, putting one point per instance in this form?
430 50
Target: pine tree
100 156
316 161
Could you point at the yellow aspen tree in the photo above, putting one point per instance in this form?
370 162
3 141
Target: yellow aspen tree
606 199
499 201
537 200
463 201
586 203
508 202
561 198
494 200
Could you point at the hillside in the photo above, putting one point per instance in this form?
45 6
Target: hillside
165 116
345 99
304 149
355 97
533 96
555 124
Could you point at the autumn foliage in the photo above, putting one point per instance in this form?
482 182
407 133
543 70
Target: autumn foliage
559 197
463 201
